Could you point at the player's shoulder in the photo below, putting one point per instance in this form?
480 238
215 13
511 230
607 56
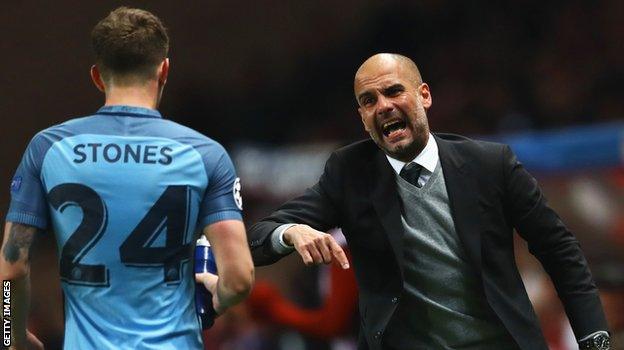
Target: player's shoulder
186 135
45 138
60 129
178 130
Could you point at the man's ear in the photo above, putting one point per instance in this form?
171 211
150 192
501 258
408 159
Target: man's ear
96 77
425 95
163 72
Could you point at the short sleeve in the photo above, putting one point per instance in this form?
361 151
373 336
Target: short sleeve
222 199
28 200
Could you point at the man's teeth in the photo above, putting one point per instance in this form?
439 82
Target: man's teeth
391 126
386 125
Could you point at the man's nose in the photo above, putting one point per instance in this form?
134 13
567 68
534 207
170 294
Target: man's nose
384 105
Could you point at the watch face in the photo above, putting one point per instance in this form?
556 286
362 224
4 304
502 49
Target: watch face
601 342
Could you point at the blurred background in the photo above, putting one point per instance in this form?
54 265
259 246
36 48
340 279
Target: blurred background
272 81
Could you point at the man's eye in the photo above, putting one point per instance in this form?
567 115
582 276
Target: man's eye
367 101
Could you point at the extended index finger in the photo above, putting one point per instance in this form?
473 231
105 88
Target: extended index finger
339 254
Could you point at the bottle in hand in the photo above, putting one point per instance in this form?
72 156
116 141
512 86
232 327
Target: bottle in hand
204 262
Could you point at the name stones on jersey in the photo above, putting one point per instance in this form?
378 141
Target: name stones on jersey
113 153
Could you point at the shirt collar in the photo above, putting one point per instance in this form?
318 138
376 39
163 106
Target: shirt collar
132 111
428 158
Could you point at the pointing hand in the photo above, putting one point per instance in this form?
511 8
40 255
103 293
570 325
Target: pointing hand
315 247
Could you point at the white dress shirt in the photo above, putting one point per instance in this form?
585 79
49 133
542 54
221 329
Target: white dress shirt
428 159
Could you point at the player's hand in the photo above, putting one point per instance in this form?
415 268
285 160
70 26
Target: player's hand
32 343
210 281
315 247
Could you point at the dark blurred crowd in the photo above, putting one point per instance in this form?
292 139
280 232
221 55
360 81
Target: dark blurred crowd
492 66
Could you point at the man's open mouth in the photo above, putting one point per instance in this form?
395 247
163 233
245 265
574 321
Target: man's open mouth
390 127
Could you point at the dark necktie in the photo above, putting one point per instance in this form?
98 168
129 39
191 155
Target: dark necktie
411 173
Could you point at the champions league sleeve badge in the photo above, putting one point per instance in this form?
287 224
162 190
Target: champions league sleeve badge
236 192
17 183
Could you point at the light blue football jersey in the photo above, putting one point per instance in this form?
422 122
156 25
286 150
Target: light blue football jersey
125 193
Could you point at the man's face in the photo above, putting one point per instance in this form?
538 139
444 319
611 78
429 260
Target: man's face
393 107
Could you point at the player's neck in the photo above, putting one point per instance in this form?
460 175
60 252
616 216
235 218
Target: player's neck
136 96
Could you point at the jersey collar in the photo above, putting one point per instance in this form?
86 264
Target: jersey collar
130 111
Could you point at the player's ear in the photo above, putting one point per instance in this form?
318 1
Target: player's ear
96 77
163 72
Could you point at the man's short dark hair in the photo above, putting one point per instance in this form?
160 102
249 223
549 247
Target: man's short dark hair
129 44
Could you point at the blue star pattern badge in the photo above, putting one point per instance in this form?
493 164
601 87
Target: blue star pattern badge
16 184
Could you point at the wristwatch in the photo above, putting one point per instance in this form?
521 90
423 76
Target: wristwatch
597 341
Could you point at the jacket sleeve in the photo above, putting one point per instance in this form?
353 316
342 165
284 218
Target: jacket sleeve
554 246
319 207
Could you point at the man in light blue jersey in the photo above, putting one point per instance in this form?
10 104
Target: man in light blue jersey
126 194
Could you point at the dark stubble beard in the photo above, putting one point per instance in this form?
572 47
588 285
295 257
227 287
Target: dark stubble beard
407 152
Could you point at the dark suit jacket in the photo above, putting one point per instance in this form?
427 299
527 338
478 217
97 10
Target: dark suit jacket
490 194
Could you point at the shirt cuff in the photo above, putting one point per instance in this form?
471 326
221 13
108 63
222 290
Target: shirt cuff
277 240
27 219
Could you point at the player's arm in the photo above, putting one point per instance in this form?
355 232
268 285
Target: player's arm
15 267
236 271
221 218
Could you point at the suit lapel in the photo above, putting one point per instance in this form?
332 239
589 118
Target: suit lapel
461 185
386 203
